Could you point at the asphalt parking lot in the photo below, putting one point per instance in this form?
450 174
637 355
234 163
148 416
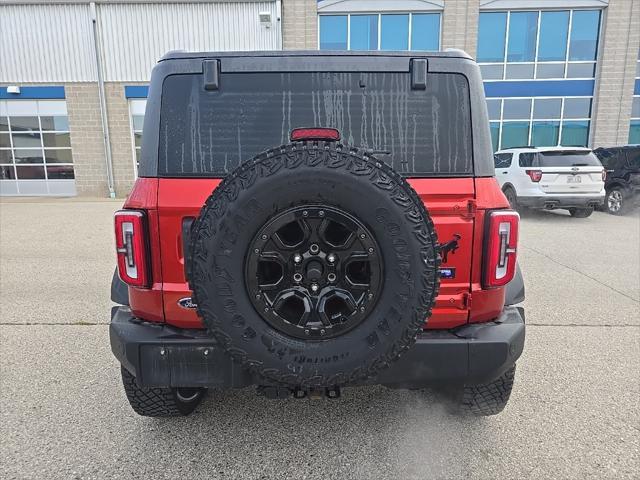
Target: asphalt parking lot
574 413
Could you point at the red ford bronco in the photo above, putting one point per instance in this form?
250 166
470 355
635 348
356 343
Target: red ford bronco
307 221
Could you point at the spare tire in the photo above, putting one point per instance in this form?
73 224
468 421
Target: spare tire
314 265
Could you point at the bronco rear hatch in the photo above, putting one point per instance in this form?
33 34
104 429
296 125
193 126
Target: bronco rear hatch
208 114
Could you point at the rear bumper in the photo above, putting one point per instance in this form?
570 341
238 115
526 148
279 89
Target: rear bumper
159 355
550 202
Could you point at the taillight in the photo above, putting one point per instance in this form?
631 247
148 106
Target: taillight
501 243
131 247
535 175
604 175
330 134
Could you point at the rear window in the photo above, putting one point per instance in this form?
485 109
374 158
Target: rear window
633 158
418 132
612 158
567 159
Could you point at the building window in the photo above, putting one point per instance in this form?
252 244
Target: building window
35 148
634 128
538 44
540 121
393 31
136 119
333 32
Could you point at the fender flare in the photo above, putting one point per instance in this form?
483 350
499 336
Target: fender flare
515 289
119 290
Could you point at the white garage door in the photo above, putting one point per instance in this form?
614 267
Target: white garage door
35 148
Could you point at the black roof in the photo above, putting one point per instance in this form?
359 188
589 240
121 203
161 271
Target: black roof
182 54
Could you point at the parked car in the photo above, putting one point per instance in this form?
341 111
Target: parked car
307 221
571 178
623 177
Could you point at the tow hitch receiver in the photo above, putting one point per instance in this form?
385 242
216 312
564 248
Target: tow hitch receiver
274 393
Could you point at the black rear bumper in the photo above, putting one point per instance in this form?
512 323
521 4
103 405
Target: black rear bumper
159 355
550 202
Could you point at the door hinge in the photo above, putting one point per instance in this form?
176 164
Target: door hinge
466 301
472 208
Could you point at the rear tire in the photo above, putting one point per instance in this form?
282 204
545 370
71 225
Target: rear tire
160 401
483 400
614 202
581 212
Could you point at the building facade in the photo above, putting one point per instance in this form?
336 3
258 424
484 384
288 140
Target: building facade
73 74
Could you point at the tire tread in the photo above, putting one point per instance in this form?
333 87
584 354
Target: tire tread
153 401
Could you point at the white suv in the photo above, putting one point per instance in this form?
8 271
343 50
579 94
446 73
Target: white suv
551 177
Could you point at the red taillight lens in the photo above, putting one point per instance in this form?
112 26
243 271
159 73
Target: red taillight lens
330 134
501 243
131 247
535 175
604 175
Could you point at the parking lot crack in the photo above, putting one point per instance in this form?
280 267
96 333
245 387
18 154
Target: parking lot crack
582 273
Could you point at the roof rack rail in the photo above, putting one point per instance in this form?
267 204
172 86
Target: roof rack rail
520 146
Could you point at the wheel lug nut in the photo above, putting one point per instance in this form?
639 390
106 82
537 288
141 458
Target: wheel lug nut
362 235
331 277
321 213
362 309
322 332
314 287
305 213
314 248
297 258
370 250
257 250
297 277
370 295
331 258
264 236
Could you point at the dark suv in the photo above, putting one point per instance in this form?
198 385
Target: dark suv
306 221
623 177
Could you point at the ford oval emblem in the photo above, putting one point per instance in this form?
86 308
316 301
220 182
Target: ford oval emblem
187 303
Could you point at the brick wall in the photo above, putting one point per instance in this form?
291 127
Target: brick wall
616 76
300 24
83 107
120 137
460 25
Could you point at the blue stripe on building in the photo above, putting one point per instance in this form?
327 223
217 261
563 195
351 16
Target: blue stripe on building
136 91
540 88
636 89
33 93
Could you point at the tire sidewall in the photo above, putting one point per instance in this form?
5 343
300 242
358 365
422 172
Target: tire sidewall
239 208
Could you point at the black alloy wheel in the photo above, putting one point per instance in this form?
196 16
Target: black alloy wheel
314 272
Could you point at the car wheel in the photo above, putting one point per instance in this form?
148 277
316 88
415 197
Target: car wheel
303 283
512 198
614 201
581 212
160 401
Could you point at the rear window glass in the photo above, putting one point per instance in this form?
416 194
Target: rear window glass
418 132
567 159
613 158
633 158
